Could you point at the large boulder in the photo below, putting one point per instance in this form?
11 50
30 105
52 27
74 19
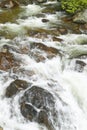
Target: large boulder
37 104
15 87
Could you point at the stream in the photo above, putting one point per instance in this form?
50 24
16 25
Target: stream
47 53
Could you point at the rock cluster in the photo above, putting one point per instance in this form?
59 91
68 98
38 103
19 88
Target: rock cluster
37 104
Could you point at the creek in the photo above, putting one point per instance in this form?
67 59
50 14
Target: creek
50 56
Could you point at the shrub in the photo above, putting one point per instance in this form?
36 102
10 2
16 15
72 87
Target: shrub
72 6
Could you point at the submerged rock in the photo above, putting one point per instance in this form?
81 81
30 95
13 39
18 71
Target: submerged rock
15 87
37 104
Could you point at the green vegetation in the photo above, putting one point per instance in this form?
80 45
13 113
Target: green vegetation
72 6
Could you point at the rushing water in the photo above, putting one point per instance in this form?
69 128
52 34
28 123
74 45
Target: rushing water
65 81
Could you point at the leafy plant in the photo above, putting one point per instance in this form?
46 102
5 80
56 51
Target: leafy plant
72 6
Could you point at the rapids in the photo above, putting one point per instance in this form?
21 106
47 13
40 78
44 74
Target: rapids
60 75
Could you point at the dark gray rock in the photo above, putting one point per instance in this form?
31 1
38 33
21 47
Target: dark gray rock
80 65
37 104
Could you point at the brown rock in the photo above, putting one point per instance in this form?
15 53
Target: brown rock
57 39
44 119
28 111
15 87
63 30
49 50
37 56
7 61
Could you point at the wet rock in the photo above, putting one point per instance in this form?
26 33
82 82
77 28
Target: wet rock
38 57
34 54
70 25
23 72
24 49
43 118
67 19
7 61
41 104
81 17
28 111
39 33
15 87
45 20
49 50
80 65
63 31
57 39
8 48
43 33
